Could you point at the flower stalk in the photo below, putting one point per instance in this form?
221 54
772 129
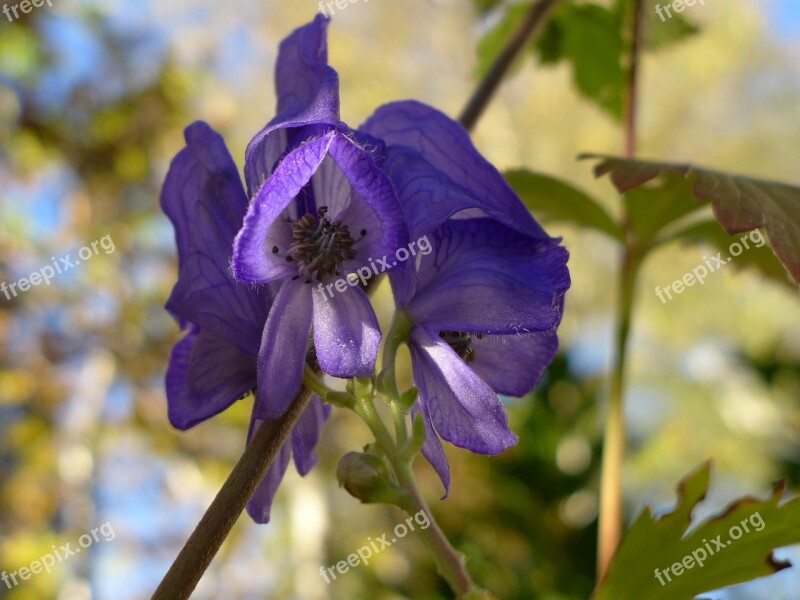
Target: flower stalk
449 562
230 501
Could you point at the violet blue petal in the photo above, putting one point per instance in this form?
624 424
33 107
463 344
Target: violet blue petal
513 364
308 94
259 506
482 277
462 408
332 189
283 350
306 434
438 172
253 261
346 333
204 198
373 186
204 377
432 450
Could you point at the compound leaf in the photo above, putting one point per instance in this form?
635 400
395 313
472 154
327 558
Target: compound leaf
739 203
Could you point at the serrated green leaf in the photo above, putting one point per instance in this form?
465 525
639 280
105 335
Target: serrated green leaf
592 42
552 200
737 545
739 203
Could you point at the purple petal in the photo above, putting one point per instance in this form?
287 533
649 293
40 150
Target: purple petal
263 158
283 350
306 434
346 333
481 277
439 173
463 409
371 184
308 89
204 377
433 450
513 364
205 200
253 261
333 190
260 504
308 93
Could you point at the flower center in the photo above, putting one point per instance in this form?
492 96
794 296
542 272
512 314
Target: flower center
320 246
461 343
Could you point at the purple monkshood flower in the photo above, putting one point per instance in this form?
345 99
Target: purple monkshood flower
215 363
321 208
486 303
485 306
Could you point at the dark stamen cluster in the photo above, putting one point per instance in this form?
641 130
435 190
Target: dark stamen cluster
461 343
320 245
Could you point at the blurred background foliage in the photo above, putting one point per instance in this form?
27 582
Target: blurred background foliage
93 99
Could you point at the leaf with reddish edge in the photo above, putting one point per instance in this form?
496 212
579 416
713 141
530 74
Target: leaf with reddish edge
746 534
739 203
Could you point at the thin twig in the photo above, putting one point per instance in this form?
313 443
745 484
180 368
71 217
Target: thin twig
524 33
216 524
631 101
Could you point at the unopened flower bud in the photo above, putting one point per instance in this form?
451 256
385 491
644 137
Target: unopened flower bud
366 477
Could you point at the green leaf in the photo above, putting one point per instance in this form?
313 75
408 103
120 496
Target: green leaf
591 37
739 203
592 42
737 544
550 43
552 200
651 209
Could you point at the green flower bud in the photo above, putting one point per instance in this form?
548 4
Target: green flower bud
366 477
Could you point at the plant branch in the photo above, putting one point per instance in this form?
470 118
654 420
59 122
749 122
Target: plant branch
611 498
632 97
216 524
614 439
487 88
449 562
